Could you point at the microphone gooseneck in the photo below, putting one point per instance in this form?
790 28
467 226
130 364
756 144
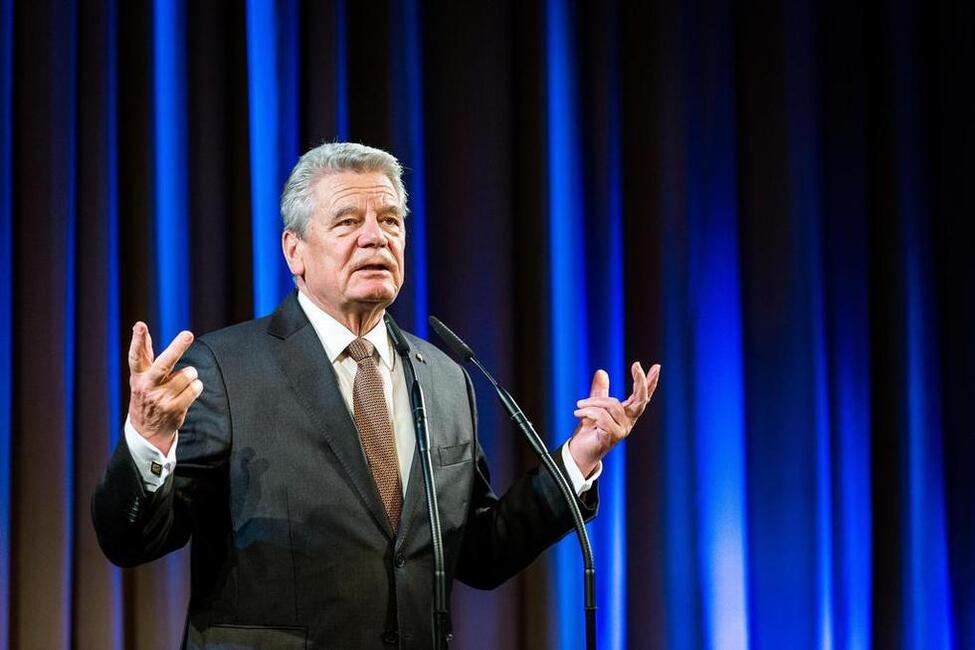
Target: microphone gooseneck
441 616
465 353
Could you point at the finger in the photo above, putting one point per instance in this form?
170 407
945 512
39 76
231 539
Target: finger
653 377
600 384
602 402
634 408
182 402
611 404
601 418
163 365
178 381
639 384
139 359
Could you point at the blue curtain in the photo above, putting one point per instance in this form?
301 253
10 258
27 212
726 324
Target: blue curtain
770 201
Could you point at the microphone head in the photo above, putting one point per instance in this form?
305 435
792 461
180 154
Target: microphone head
459 348
399 341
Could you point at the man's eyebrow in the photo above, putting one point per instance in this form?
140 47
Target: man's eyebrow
345 211
353 211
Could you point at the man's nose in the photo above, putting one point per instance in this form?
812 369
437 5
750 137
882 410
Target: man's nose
371 234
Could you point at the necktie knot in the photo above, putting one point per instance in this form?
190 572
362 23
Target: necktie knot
360 349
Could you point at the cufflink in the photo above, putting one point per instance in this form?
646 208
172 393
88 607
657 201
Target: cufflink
419 357
155 468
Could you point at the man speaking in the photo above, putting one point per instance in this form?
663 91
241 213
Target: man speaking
284 446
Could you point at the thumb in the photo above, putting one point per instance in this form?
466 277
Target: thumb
600 384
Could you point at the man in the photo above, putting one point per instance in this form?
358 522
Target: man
284 446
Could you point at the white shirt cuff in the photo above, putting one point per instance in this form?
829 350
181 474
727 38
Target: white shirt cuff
153 465
579 482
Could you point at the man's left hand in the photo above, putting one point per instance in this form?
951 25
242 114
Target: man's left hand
604 420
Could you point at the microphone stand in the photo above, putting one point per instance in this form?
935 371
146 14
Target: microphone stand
441 617
464 351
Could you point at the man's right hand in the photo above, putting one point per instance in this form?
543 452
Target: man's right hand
159 398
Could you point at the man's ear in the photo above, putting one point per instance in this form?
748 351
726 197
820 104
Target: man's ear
293 247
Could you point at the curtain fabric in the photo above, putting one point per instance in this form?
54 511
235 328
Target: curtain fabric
768 198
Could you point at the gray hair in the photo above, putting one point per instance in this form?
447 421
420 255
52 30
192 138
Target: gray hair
298 195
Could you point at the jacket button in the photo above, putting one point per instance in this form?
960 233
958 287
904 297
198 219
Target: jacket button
391 637
399 560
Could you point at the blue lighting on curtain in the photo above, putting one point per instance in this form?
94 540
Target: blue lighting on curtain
847 323
272 130
717 376
417 172
288 67
927 598
804 183
804 162
683 598
568 323
851 412
171 224
408 133
609 531
791 556
113 317
6 302
263 113
603 230
172 247
70 357
926 603
704 403
341 72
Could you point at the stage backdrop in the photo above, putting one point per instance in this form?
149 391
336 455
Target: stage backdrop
769 201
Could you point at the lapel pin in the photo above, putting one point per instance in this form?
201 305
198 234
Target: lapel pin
419 357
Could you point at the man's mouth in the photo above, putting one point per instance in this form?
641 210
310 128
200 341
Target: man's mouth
373 267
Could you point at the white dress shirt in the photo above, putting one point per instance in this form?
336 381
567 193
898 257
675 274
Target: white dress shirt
335 337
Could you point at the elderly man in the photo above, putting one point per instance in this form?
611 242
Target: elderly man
284 446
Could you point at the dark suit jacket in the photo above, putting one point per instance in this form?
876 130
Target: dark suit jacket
291 545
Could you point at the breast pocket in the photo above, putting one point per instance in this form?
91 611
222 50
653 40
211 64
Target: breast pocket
453 454
454 487
247 637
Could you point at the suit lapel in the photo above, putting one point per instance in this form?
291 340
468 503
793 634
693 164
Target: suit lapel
302 359
414 503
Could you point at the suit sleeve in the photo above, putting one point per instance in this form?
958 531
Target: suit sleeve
504 535
134 525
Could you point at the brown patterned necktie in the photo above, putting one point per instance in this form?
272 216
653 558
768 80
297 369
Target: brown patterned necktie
375 431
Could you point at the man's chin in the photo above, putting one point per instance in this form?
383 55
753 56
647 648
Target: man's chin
380 296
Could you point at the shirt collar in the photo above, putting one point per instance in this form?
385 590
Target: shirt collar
335 336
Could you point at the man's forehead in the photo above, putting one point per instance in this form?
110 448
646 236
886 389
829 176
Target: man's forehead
343 188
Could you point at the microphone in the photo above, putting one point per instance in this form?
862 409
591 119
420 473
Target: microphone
466 354
441 617
417 402
395 333
461 349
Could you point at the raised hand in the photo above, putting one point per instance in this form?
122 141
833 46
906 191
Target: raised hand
604 420
159 398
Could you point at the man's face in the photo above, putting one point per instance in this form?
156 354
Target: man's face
351 256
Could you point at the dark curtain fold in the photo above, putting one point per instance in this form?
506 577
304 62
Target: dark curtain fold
769 198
